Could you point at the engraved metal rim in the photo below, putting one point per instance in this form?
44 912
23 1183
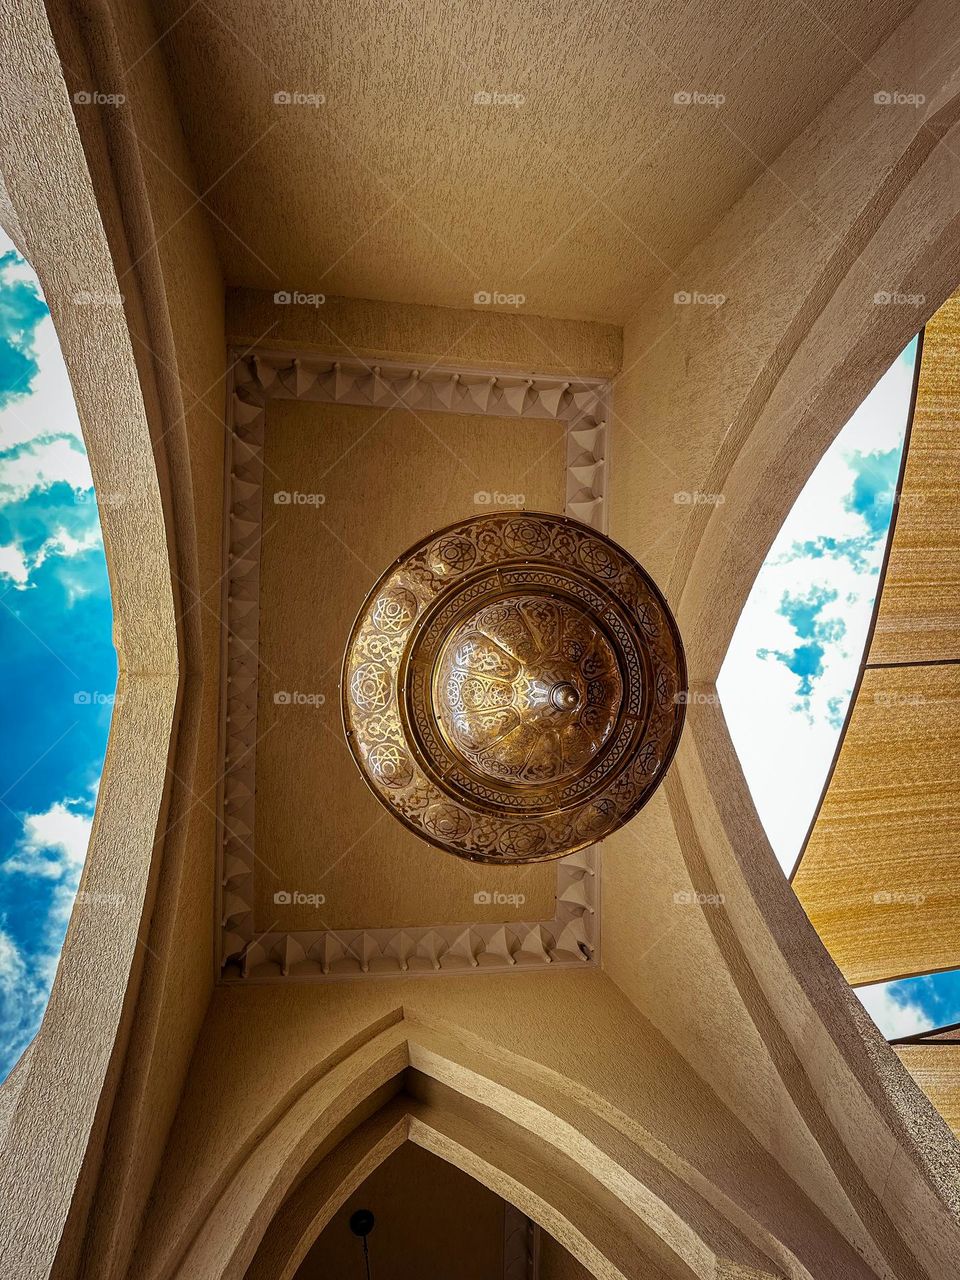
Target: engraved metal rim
676 667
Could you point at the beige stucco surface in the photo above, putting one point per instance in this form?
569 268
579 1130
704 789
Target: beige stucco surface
557 1264
170 277
735 403
133 423
398 186
386 479
615 1065
507 338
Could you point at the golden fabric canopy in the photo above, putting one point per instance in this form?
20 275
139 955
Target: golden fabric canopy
879 877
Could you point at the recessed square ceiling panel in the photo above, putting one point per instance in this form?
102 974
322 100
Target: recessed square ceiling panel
326 490
386 480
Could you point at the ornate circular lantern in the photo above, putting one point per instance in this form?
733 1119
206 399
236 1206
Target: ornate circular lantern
513 687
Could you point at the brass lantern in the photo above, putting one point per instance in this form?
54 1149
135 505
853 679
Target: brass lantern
514 687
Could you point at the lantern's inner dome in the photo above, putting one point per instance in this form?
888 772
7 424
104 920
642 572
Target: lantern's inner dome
527 690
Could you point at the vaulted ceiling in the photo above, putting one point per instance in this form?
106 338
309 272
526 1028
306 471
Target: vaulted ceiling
581 191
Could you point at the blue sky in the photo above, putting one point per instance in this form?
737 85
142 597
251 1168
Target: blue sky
787 678
59 669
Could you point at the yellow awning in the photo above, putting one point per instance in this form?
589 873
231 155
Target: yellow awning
880 875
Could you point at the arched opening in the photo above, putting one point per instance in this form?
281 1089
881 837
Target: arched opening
817 384
790 669
493 1170
878 883
59 674
618 1202
839 641
432 1220
56 1106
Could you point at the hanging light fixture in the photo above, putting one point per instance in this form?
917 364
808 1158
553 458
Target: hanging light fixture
514 687
362 1223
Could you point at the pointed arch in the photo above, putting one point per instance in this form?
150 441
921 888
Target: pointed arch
620 1201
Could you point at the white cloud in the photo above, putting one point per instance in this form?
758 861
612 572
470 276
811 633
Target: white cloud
49 410
18 567
53 845
894 1017
64 544
12 965
16 270
42 463
877 426
40 431
40 446
13 565
23 995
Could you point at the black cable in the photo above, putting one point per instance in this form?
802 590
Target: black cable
361 1224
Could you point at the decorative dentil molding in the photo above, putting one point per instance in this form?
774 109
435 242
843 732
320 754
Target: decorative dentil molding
256 377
